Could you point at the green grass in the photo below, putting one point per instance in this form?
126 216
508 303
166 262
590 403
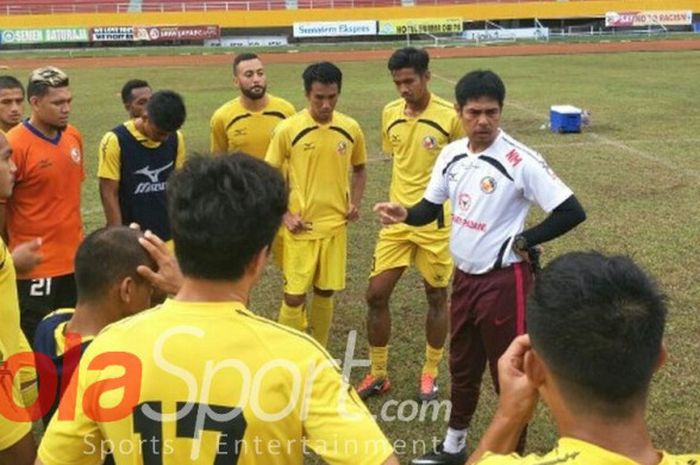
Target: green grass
636 171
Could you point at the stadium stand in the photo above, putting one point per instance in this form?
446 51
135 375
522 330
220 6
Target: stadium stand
198 5
34 7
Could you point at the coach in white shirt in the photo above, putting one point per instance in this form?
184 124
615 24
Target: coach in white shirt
491 180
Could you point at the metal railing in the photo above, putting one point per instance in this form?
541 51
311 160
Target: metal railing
19 7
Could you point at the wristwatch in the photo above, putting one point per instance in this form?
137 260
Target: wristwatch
520 243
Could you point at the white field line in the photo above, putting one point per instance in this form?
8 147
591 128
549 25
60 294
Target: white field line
602 139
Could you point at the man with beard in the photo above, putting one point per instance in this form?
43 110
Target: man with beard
136 159
245 123
45 205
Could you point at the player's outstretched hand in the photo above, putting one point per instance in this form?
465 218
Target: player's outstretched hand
27 255
295 223
518 396
168 278
353 213
390 213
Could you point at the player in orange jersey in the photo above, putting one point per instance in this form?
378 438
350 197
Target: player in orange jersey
45 204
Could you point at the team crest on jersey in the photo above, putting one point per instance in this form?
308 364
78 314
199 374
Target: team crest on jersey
429 142
464 201
75 155
342 147
488 185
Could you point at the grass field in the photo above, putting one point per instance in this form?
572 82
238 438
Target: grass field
636 171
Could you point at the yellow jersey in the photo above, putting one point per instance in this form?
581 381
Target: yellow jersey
414 144
234 128
318 158
204 383
109 156
570 451
12 341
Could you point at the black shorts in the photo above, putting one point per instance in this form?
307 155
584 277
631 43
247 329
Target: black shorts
39 297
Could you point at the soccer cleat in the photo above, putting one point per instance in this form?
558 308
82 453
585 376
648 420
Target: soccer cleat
428 389
440 457
372 386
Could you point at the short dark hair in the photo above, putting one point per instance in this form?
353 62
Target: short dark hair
10 82
129 86
324 72
409 57
598 321
480 83
223 210
243 57
44 78
166 110
105 257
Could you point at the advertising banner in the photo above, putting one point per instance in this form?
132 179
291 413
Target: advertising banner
44 36
485 35
648 18
112 34
248 41
170 33
420 26
335 29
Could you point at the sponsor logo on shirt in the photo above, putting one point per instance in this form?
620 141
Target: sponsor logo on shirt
155 184
309 146
465 201
75 155
429 142
488 185
467 223
342 147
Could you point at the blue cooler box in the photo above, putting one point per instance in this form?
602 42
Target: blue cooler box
564 118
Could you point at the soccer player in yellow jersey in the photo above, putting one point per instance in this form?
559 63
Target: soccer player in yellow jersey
16 440
319 146
245 123
415 128
201 379
595 327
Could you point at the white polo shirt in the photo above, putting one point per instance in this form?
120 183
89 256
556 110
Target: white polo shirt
491 193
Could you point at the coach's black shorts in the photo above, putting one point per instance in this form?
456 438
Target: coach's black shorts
39 297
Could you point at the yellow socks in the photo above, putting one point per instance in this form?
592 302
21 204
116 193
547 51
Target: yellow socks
432 360
292 316
320 318
379 358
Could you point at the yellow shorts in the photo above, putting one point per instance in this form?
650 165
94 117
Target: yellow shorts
277 249
317 262
400 246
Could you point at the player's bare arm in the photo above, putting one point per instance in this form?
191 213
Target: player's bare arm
109 194
357 190
20 453
27 255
